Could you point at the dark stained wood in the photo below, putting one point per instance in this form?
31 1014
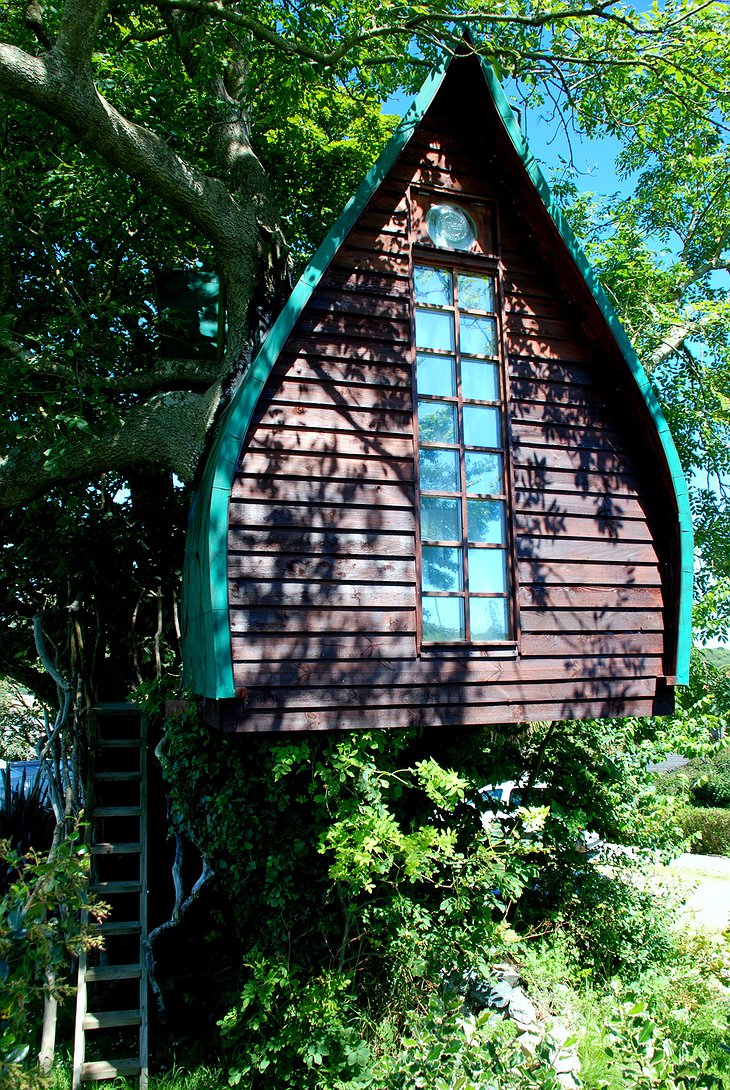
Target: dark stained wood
465 715
300 441
325 516
334 619
322 594
352 493
322 466
327 394
298 542
312 568
395 673
322 517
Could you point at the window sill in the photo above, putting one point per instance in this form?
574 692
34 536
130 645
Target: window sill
470 651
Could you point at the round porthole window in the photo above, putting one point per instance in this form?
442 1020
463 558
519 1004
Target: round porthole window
450 227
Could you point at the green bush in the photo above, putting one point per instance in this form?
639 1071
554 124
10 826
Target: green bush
713 825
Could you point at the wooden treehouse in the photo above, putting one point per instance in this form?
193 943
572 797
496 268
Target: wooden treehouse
444 493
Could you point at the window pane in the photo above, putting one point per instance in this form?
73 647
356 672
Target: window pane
483 473
443 618
440 519
476 292
440 471
436 422
481 426
442 568
433 286
486 521
480 380
487 571
489 619
435 329
436 375
478 336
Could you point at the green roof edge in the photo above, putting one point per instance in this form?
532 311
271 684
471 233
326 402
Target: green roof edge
686 534
205 583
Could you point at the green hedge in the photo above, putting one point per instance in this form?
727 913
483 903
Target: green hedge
714 825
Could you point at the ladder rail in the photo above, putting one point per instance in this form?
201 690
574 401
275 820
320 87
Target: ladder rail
110 848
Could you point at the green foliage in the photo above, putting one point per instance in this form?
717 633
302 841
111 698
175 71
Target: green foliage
448 1048
40 931
708 828
618 924
645 1053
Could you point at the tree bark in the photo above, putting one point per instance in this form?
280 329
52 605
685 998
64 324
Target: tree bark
166 431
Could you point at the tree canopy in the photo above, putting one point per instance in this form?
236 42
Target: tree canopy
148 145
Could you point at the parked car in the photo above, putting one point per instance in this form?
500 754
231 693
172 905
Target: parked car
500 802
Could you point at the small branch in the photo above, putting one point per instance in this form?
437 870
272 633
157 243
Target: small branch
35 24
48 664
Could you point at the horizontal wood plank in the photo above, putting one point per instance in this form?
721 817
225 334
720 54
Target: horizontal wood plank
320 594
319 368
551 575
427 671
558 596
312 568
328 394
302 440
371 422
320 516
604 506
599 527
352 493
321 464
594 621
306 620
249 649
438 694
365 329
465 716
308 542
536 549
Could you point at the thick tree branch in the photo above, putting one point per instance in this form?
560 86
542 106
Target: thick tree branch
164 375
80 21
48 83
166 431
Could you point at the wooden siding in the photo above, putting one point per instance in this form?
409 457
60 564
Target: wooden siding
322 517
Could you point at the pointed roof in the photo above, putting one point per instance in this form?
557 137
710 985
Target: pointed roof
206 637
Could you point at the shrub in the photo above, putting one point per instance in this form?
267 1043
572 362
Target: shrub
713 825
39 933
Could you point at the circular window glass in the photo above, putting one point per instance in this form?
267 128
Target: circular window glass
450 227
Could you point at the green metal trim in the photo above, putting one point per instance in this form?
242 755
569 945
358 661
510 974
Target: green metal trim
686 535
206 639
205 597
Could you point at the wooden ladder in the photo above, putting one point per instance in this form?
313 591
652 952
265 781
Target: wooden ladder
112 998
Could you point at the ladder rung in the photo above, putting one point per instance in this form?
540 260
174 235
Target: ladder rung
118 777
116 811
113 972
119 743
123 848
117 927
130 886
111 1019
109 1069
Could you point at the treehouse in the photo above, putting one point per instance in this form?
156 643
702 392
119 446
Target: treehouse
444 493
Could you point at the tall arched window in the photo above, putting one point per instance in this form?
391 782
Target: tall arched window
464 517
